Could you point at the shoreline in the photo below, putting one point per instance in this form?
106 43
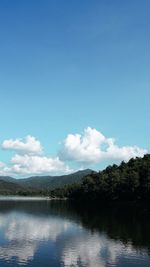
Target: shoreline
28 198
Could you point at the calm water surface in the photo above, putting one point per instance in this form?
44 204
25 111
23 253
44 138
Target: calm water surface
56 233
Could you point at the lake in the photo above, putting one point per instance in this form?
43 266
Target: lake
57 233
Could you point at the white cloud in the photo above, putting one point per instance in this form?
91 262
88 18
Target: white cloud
2 164
27 145
93 147
32 165
30 160
3 167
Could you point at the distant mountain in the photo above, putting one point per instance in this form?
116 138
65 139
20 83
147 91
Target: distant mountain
44 182
51 182
7 187
8 179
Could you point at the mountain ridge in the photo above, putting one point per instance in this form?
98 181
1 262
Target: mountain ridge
46 182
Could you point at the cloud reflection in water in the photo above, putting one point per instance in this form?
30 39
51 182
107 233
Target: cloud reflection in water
23 233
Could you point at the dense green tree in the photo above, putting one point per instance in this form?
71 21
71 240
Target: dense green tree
126 182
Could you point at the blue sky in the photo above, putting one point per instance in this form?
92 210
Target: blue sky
69 65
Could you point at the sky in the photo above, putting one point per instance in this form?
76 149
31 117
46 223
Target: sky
74 84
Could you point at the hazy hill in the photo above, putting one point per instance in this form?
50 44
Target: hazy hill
50 182
44 182
7 187
8 179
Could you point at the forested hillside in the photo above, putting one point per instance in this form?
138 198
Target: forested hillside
126 182
39 185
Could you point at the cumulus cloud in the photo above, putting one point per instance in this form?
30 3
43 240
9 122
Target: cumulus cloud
2 164
93 147
3 167
30 160
35 165
90 148
27 145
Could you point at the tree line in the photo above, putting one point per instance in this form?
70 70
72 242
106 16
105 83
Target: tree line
127 182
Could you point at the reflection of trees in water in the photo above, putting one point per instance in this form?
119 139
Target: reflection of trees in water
127 223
